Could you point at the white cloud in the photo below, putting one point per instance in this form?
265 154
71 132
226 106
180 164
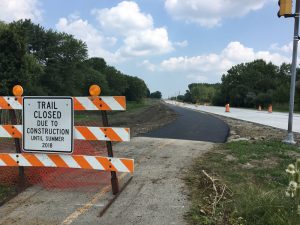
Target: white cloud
288 48
212 66
148 65
182 44
95 40
124 33
210 13
11 10
146 42
125 18
136 28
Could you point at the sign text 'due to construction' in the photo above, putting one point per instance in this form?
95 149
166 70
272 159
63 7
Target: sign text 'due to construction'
48 124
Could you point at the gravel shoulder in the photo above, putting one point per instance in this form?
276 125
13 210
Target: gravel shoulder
243 130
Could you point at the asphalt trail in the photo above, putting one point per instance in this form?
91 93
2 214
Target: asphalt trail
192 125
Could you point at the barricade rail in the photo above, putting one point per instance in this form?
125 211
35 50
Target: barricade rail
106 103
80 133
67 161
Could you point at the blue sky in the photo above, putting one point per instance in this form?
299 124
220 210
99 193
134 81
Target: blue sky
167 43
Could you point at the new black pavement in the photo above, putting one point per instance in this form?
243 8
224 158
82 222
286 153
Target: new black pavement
193 125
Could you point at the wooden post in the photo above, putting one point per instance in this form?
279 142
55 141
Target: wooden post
13 117
95 91
17 92
114 178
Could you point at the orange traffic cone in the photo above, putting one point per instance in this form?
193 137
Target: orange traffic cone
270 109
259 108
227 108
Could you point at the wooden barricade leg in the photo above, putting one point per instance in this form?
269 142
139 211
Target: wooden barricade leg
114 178
13 117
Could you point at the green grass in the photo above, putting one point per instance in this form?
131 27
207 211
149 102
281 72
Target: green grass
255 182
132 105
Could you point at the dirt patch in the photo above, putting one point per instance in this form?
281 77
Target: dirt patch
265 163
143 120
230 158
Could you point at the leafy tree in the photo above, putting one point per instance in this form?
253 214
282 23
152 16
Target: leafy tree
93 75
219 99
202 92
117 82
136 90
46 62
156 94
96 63
247 85
12 58
181 98
188 96
263 99
148 93
34 72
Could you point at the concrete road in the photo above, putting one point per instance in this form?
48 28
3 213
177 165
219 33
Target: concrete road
275 119
191 125
156 195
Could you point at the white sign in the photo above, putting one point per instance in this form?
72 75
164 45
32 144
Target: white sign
48 124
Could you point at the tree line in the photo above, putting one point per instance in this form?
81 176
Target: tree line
247 85
47 62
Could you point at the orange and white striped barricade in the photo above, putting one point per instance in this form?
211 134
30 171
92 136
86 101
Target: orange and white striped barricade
105 133
80 133
67 161
80 103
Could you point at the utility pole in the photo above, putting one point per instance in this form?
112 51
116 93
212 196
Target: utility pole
290 136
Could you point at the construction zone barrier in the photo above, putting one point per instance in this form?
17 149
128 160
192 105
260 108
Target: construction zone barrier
68 161
35 111
107 103
80 133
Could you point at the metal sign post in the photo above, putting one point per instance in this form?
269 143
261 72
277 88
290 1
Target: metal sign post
290 137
